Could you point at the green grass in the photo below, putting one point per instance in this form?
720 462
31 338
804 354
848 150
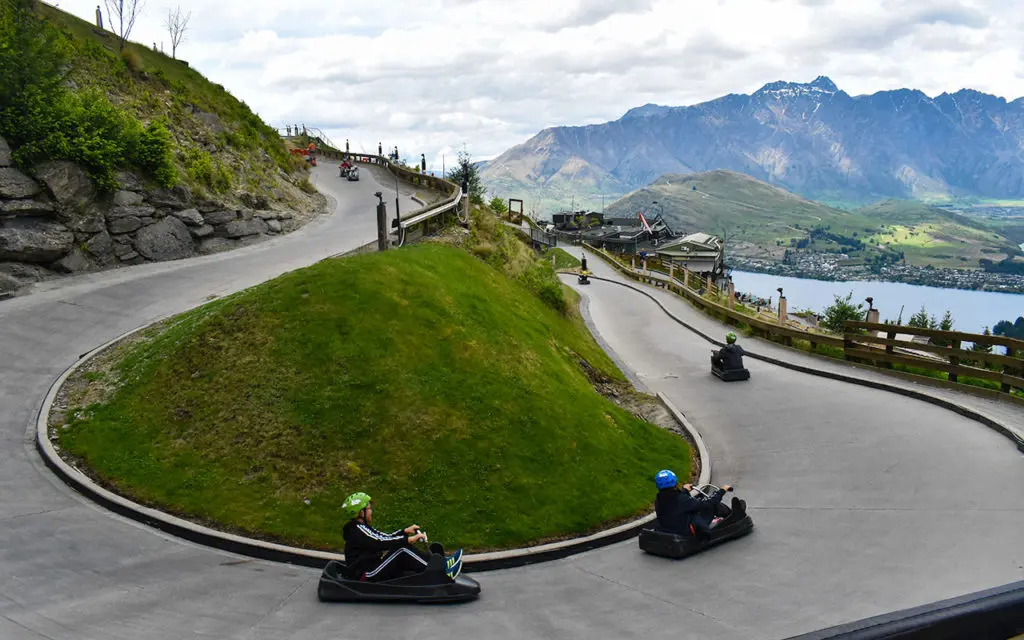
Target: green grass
563 259
164 87
425 377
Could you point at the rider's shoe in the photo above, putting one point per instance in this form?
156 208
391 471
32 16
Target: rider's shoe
739 508
453 564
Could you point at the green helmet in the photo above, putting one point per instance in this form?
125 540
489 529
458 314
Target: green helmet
355 503
730 337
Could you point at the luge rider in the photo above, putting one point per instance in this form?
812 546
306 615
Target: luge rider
729 357
381 556
693 516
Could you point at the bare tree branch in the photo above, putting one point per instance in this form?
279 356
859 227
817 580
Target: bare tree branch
122 15
177 26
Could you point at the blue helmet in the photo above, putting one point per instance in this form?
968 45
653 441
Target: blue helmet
665 479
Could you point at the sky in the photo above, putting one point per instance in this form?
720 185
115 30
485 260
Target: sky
437 76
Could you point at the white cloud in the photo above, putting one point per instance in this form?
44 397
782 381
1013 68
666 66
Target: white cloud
431 75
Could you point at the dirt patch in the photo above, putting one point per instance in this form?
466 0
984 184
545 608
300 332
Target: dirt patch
643 406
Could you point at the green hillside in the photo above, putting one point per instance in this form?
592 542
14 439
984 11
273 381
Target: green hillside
448 391
760 220
69 93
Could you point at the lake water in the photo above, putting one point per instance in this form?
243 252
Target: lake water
972 310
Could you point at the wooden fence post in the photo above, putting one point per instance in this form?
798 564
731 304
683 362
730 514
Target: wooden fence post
889 349
955 361
1007 370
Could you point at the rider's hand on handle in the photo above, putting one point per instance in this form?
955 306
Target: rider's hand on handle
727 487
418 537
411 529
687 487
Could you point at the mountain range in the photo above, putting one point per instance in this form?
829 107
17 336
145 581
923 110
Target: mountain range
812 139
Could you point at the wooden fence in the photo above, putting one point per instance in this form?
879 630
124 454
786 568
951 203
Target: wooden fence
877 344
692 291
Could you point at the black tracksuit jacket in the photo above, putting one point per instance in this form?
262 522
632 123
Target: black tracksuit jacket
677 511
731 356
365 547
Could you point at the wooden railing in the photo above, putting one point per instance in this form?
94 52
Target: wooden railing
1005 369
770 330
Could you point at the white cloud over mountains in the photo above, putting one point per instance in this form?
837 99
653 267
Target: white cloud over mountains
431 75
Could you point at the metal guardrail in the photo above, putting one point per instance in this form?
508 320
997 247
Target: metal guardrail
993 614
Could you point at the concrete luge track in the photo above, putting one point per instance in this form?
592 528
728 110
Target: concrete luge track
852 490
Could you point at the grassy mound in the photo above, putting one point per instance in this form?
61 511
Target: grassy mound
425 377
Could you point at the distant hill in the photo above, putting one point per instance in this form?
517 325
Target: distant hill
812 139
760 220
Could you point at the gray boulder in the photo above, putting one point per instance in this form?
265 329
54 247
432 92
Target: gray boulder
91 220
190 217
285 215
216 245
201 232
101 247
15 184
242 228
67 181
74 262
219 217
168 239
273 226
175 198
246 214
266 215
126 224
25 272
8 284
139 211
129 181
127 198
206 206
27 208
254 201
123 248
34 241
5 153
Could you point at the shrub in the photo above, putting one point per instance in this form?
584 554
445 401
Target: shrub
307 186
498 205
841 310
131 59
152 153
199 166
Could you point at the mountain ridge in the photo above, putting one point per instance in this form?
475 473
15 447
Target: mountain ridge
809 138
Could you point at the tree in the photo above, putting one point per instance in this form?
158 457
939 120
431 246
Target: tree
466 173
921 320
981 347
177 26
498 205
122 15
946 324
841 310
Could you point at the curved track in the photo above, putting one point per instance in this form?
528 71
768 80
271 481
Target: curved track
853 491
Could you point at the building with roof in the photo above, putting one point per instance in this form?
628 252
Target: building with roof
698 252
619 235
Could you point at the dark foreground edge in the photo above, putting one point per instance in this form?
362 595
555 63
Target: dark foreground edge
993 614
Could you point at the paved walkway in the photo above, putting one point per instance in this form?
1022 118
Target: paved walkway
865 501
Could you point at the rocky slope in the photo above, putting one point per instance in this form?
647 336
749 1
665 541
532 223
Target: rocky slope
813 139
228 179
54 222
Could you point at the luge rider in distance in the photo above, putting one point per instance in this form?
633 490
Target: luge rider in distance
729 357
683 514
381 556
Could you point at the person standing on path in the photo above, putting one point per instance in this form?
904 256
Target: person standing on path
380 149
346 145
423 162
99 17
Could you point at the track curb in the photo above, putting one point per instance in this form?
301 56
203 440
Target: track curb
264 550
1009 432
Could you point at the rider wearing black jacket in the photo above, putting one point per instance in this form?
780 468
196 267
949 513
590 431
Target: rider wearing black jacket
680 513
729 357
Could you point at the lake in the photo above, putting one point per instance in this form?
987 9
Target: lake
972 310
